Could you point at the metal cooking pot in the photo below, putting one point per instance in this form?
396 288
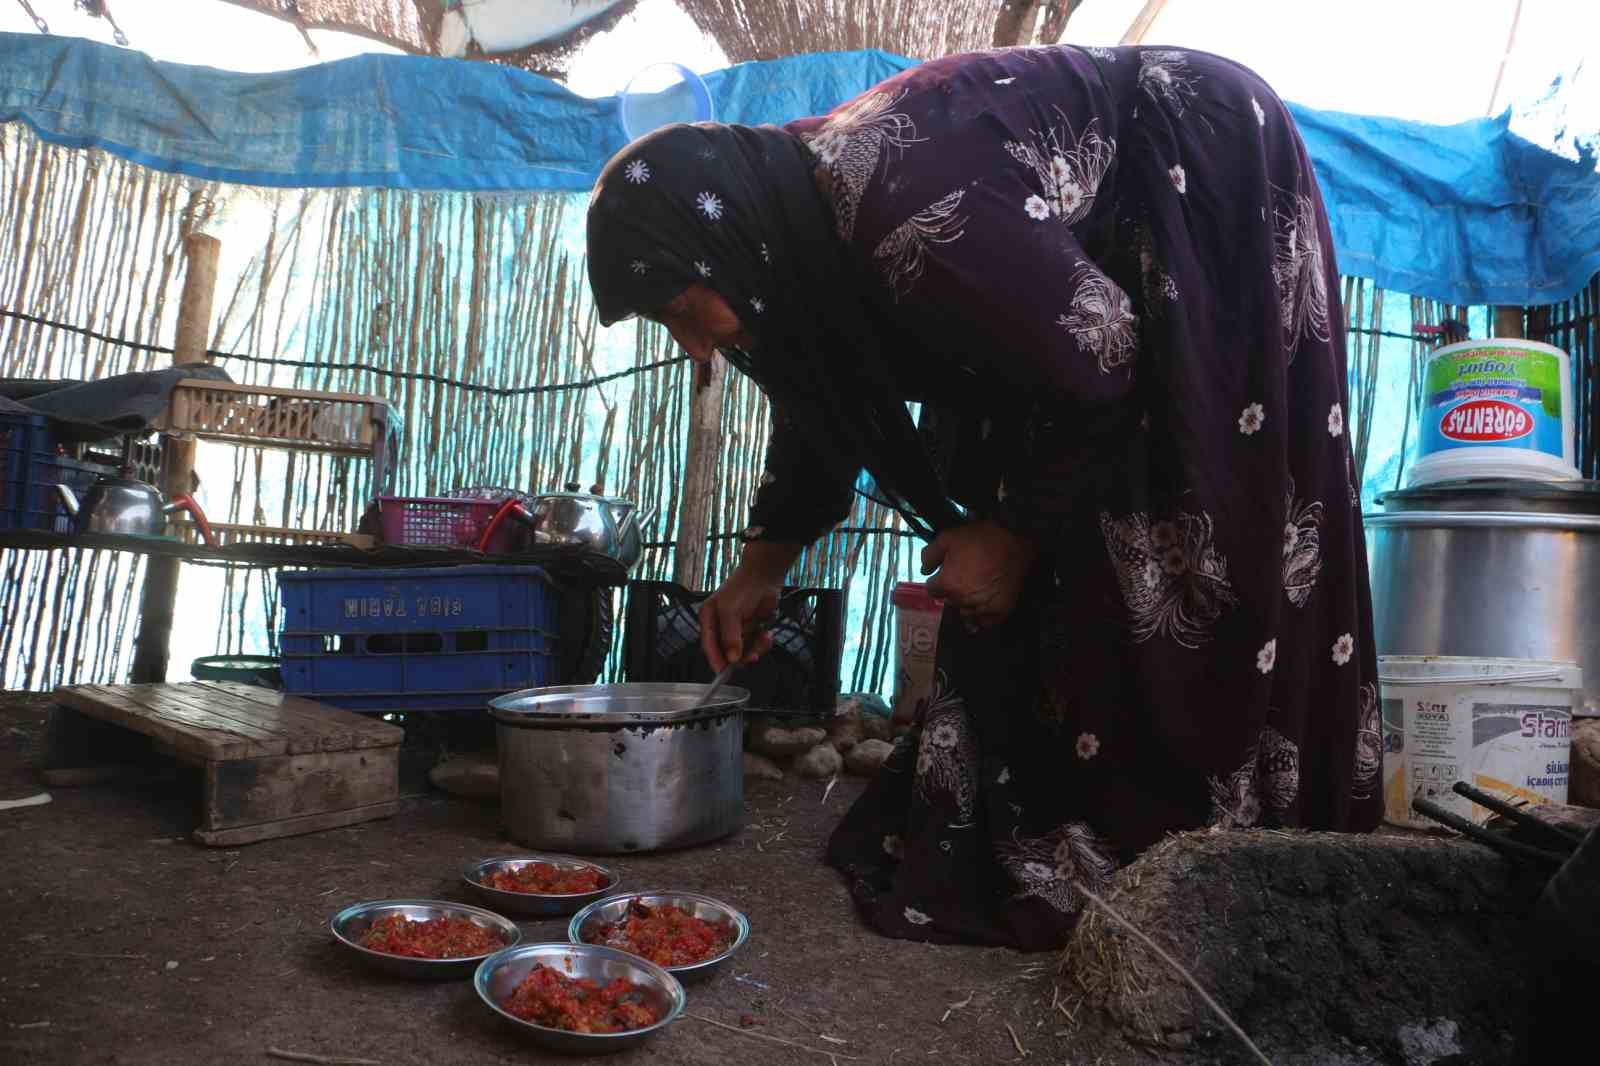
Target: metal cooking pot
613 769
1496 568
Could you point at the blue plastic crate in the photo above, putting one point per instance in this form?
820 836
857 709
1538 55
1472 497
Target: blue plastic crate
414 681
427 600
30 470
445 638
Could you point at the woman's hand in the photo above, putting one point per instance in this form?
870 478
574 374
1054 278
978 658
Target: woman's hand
749 595
981 567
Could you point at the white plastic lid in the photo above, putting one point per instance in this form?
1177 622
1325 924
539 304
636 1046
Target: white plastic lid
1464 463
1447 669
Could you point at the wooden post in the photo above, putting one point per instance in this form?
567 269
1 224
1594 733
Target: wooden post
177 464
1508 322
700 463
1013 23
1142 22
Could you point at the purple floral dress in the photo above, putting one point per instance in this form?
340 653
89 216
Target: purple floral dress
1113 281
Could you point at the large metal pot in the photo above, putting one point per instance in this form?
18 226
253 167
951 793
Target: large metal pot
1495 568
612 769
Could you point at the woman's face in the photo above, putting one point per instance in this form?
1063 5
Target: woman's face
702 322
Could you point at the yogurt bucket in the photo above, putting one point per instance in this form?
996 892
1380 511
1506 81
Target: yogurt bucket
916 624
1501 725
1495 408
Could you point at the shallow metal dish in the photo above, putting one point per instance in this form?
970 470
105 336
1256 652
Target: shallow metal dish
499 975
612 909
533 902
348 925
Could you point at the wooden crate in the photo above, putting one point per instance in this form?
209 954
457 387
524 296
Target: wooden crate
340 423
273 765
302 420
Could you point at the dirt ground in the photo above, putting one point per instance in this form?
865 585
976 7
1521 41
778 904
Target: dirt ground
129 944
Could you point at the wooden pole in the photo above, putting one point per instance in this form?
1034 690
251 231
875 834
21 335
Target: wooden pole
1509 322
160 594
1013 23
699 473
1143 21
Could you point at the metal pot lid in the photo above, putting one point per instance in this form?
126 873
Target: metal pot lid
637 703
1499 495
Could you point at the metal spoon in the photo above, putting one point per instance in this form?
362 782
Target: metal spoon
716 684
727 671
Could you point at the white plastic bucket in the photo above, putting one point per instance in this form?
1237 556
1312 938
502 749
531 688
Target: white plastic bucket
916 624
1495 408
1502 725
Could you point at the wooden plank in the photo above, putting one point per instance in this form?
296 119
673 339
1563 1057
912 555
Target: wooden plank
287 827
300 736
168 700
243 792
365 731
178 732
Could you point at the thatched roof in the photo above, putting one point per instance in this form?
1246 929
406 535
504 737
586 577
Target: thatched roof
763 29
413 26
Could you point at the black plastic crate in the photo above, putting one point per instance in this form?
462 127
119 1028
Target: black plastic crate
661 642
32 464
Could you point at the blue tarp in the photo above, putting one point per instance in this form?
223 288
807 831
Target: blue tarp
1468 213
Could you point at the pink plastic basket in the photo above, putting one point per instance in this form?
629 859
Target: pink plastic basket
432 520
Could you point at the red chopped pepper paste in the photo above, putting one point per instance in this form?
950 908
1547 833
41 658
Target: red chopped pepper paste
434 938
546 880
580 1005
666 935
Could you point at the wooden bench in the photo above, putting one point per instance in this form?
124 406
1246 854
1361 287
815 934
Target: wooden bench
273 765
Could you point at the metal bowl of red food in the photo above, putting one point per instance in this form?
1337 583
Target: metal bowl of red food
514 984
531 871
604 922
367 929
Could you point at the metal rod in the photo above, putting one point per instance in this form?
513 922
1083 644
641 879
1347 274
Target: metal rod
1506 846
1519 815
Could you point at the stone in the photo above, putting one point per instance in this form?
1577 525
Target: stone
876 727
761 768
865 704
1583 786
474 775
821 762
866 758
845 731
1425 1043
779 742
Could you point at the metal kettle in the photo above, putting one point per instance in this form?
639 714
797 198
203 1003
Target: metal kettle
586 521
127 506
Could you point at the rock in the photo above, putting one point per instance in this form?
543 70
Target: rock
866 758
845 731
761 767
1583 787
821 762
1424 1044
876 727
865 704
778 742
472 776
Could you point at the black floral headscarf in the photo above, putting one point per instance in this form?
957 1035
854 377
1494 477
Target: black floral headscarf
737 208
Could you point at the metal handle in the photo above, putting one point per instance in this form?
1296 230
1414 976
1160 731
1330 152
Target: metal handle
185 502
512 507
